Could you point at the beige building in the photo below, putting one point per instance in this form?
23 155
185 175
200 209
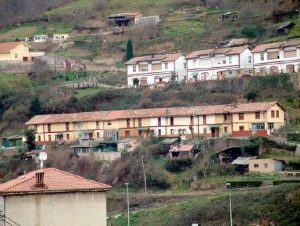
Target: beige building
243 119
14 51
265 165
50 197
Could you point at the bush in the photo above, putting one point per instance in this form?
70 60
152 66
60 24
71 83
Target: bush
278 182
293 137
177 165
251 95
245 183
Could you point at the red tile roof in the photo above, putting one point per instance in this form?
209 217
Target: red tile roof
7 46
154 112
182 148
226 51
276 45
150 58
55 181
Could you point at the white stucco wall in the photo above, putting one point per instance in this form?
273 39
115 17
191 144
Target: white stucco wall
74 209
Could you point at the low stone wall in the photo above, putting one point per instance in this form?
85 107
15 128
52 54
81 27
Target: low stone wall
102 156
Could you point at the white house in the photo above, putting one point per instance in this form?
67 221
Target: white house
40 38
277 57
219 63
156 69
60 37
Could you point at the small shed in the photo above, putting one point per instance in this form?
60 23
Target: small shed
228 17
123 19
266 165
182 151
284 28
242 164
12 141
167 143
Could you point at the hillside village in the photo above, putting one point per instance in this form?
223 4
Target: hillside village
149 112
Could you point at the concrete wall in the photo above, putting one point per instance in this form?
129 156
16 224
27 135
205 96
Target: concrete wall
76 209
265 165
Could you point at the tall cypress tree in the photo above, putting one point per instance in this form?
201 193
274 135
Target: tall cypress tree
129 50
35 107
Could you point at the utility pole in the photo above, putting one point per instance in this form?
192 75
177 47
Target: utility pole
230 208
127 204
144 172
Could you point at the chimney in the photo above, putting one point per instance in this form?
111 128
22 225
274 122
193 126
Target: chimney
39 180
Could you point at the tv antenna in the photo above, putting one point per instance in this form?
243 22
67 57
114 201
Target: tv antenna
42 158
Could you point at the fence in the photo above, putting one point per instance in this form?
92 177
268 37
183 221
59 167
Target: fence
16 67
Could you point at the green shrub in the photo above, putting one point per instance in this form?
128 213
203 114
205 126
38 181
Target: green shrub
293 137
245 183
277 182
177 165
251 95
294 164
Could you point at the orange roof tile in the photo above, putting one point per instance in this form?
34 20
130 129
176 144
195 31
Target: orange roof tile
276 45
157 57
226 51
153 112
55 181
7 46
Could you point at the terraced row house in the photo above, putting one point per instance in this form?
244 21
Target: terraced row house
242 119
216 64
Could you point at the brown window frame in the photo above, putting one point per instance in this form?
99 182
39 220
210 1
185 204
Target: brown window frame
191 120
277 113
272 114
140 122
67 126
128 123
159 121
241 128
257 115
204 119
49 127
172 121
241 116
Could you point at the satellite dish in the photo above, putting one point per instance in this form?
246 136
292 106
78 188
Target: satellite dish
42 158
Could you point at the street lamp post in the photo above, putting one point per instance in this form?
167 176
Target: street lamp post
145 180
230 208
127 204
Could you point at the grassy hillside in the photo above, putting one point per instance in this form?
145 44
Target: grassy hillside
249 207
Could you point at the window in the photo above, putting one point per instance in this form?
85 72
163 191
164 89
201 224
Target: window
194 62
172 132
67 126
242 128
143 67
134 68
262 56
98 135
257 115
192 120
156 67
249 59
205 130
290 53
16 56
273 55
258 126
225 129
49 137
256 165
159 121
39 138
166 66
35 128
127 133
172 121
272 114
180 132
128 123
204 119
266 165
49 128
224 61
270 125
68 136
159 132
277 114
241 116
140 122
97 125
225 117
230 59
109 123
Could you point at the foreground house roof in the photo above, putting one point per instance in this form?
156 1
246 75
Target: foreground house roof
150 58
149 113
226 51
56 181
7 46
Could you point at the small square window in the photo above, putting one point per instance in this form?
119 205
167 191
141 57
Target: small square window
266 165
109 123
256 165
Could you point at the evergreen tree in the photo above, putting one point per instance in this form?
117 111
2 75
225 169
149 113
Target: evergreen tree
30 139
129 50
35 107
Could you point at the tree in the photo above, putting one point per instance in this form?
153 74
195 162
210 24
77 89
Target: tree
30 139
136 81
249 32
251 95
35 107
129 50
